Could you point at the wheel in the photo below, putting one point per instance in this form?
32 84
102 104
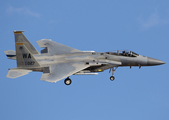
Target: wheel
67 81
112 78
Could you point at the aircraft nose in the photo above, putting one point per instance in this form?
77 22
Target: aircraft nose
152 61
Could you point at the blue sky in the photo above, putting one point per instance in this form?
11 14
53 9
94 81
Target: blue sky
99 25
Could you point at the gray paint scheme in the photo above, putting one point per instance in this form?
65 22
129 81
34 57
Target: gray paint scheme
58 61
56 48
20 38
23 62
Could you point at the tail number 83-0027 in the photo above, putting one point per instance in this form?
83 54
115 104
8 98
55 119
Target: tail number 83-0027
30 63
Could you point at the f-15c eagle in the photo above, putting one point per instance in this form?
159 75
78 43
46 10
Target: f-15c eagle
58 61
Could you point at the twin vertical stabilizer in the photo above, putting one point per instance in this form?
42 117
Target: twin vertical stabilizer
26 62
24 51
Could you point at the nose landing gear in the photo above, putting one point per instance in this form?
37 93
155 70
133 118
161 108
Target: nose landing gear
113 71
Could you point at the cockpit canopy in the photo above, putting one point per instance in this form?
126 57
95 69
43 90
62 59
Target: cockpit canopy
123 53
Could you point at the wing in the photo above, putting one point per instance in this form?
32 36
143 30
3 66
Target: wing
14 73
56 48
62 70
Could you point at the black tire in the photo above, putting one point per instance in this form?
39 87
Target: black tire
67 81
112 78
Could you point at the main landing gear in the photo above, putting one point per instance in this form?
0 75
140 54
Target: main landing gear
112 78
113 71
67 81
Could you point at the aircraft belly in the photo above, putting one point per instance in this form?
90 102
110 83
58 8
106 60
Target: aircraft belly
100 68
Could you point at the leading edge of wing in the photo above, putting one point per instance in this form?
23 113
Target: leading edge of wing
56 48
62 70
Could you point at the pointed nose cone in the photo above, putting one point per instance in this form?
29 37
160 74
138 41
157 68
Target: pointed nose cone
152 61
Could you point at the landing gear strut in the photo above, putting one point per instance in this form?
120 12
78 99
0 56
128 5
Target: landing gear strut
67 81
113 71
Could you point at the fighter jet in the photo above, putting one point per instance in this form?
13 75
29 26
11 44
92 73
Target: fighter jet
58 61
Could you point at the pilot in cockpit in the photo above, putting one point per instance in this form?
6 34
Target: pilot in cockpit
127 53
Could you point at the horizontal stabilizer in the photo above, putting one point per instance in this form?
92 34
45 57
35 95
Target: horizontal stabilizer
11 54
14 73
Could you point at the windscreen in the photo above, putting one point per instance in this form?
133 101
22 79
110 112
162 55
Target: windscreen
123 53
